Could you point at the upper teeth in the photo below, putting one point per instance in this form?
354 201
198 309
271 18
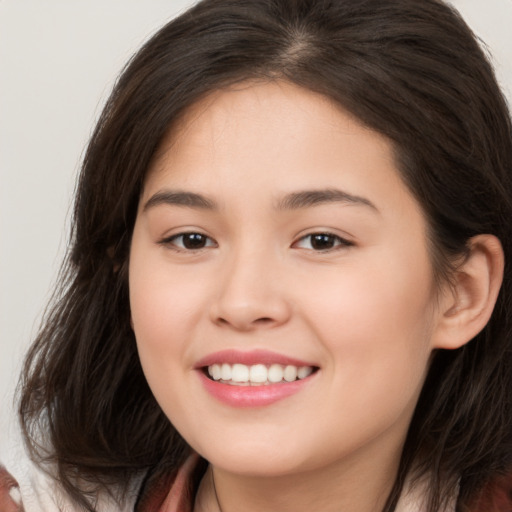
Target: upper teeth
257 373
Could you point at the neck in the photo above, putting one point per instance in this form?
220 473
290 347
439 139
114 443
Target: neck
357 487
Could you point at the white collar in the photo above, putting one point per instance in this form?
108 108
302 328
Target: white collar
414 498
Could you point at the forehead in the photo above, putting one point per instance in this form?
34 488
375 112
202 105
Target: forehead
265 124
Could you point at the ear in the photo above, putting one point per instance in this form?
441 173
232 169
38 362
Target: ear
467 303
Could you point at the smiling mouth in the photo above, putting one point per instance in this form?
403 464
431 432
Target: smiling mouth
258 374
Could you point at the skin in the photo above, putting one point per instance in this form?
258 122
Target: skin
365 311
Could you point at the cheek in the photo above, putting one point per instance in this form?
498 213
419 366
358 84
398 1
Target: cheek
375 319
163 318
165 305
164 299
376 335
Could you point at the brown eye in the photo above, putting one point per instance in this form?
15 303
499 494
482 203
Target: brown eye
322 242
194 241
189 241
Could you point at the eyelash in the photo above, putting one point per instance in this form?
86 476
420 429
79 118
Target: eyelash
338 241
322 237
171 241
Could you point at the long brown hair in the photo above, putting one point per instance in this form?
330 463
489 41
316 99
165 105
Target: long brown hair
410 69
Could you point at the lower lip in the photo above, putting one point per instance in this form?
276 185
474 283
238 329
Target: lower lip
252 396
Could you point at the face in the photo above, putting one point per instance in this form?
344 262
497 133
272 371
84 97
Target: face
280 284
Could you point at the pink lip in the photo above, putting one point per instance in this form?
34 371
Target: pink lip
249 358
252 396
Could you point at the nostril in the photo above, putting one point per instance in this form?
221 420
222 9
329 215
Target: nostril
264 320
258 321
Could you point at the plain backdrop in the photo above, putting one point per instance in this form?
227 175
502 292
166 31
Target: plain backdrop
58 62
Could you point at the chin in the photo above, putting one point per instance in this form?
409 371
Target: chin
257 459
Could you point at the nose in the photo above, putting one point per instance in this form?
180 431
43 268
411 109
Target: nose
250 294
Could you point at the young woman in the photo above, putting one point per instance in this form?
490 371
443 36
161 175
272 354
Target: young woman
289 284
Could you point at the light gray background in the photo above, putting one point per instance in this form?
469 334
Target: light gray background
58 61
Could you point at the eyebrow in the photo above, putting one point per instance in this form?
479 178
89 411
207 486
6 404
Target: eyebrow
308 198
292 201
179 198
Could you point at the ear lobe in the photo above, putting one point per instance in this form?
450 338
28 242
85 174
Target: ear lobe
467 305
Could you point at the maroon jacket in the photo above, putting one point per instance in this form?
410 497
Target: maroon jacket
175 491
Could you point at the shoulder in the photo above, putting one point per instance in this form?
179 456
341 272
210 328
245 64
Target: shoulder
34 490
10 498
